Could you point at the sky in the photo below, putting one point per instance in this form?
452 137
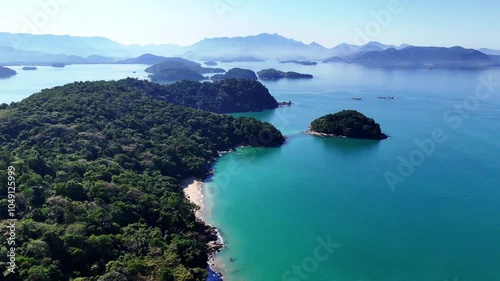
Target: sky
327 22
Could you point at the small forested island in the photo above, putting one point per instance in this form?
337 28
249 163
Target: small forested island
176 74
238 73
30 68
97 168
6 72
176 69
58 65
300 62
346 123
210 63
224 96
273 74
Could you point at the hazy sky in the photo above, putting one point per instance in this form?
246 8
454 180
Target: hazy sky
328 22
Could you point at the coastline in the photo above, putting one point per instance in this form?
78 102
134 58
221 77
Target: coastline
193 191
323 135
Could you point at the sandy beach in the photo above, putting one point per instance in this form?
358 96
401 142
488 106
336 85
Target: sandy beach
192 191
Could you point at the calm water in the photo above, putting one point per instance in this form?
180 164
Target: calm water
441 223
27 82
277 207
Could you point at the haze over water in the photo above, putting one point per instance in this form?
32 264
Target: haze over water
272 205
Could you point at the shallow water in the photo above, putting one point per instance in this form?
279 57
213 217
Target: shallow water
275 207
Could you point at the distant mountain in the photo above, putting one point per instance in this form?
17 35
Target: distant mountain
6 72
242 59
346 50
263 46
426 57
48 49
11 56
333 59
82 46
99 59
144 59
490 52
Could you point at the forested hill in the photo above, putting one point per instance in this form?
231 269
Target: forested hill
98 166
226 96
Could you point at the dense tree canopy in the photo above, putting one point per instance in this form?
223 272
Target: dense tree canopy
238 73
6 72
176 74
98 166
348 123
226 96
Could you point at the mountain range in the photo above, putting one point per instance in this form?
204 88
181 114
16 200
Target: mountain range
18 49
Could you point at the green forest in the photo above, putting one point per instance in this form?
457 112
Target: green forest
98 167
348 123
226 96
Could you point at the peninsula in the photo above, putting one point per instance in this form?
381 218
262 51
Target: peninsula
101 168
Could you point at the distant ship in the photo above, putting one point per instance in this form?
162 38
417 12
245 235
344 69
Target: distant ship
29 68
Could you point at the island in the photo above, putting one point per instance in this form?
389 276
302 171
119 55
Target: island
210 63
6 72
176 74
346 123
176 69
300 62
427 58
59 65
224 96
100 166
273 74
238 73
30 68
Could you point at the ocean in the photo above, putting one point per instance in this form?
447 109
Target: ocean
423 205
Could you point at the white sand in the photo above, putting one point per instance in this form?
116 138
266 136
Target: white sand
192 191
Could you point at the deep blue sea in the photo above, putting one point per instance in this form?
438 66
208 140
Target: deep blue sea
423 205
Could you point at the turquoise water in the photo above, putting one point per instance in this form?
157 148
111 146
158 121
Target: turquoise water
274 206
440 223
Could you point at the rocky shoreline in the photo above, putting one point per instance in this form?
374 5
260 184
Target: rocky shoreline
323 135
193 192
